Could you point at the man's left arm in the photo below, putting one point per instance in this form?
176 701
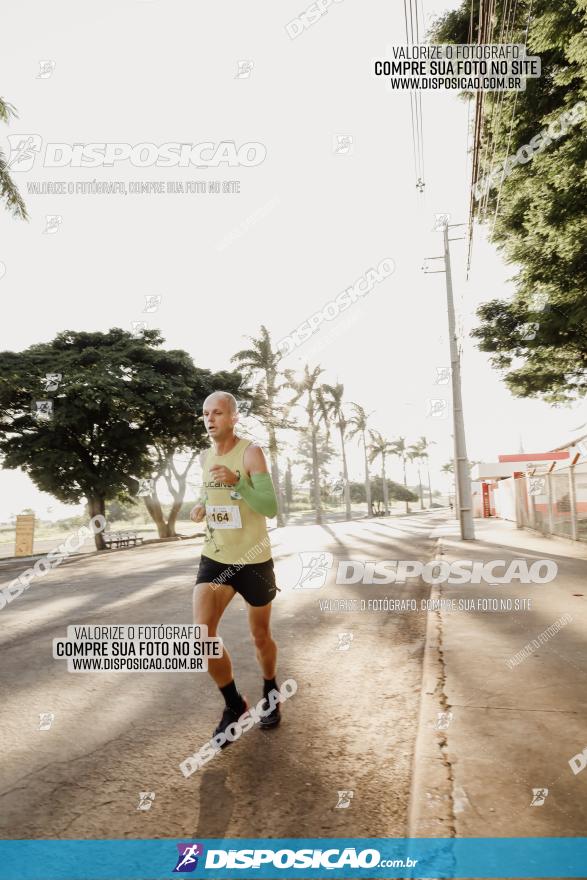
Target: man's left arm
255 485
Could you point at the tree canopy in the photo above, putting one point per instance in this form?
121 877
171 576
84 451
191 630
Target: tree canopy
536 215
116 398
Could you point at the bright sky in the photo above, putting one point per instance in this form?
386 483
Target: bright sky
133 72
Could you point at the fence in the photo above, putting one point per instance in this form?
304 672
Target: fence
554 503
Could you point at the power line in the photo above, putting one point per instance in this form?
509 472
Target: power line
412 28
482 31
506 31
506 35
511 127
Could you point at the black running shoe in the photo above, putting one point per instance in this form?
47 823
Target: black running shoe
229 716
273 718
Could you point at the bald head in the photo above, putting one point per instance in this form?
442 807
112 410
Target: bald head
220 413
222 397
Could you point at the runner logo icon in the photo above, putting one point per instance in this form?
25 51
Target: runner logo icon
187 859
315 568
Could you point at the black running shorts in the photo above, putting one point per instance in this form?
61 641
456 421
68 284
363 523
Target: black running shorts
255 582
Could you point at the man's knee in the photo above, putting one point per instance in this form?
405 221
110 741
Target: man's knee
204 613
202 617
261 636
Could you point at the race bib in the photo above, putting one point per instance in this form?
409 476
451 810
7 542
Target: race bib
223 516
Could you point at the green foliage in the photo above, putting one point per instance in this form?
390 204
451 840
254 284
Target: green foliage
288 484
119 397
325 453
397 492
540 225
8 190
123 511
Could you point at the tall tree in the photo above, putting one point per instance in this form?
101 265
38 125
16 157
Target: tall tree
260 365
166 468
537 214
288 487
333 395
118 397
380 447
306 389
414 453
358 424
399 448
418 452
324 455
425 445
8 189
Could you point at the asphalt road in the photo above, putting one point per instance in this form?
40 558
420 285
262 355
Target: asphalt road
351 726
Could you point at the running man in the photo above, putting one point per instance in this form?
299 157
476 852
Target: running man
237 495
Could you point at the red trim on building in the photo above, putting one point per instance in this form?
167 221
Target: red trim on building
537 456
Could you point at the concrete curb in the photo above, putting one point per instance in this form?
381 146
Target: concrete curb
430 810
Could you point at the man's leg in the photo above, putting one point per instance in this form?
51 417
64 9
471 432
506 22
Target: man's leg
210 602
259 618
265 647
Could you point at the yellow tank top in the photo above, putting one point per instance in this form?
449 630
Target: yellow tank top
234 532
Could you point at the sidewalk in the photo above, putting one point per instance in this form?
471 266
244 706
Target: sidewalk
516 726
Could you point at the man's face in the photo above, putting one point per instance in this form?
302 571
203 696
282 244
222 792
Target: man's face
219 420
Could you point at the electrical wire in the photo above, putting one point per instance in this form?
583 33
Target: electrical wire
412 28
498 199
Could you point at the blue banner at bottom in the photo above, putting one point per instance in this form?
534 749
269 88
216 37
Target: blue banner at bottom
287 858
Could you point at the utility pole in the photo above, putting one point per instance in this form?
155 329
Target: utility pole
462 479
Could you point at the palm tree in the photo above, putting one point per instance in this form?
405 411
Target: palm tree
399 448
418 452
8 189
305 458
425 446
414 453
358 423
332 395
260 364
288 487
316 411
380 446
